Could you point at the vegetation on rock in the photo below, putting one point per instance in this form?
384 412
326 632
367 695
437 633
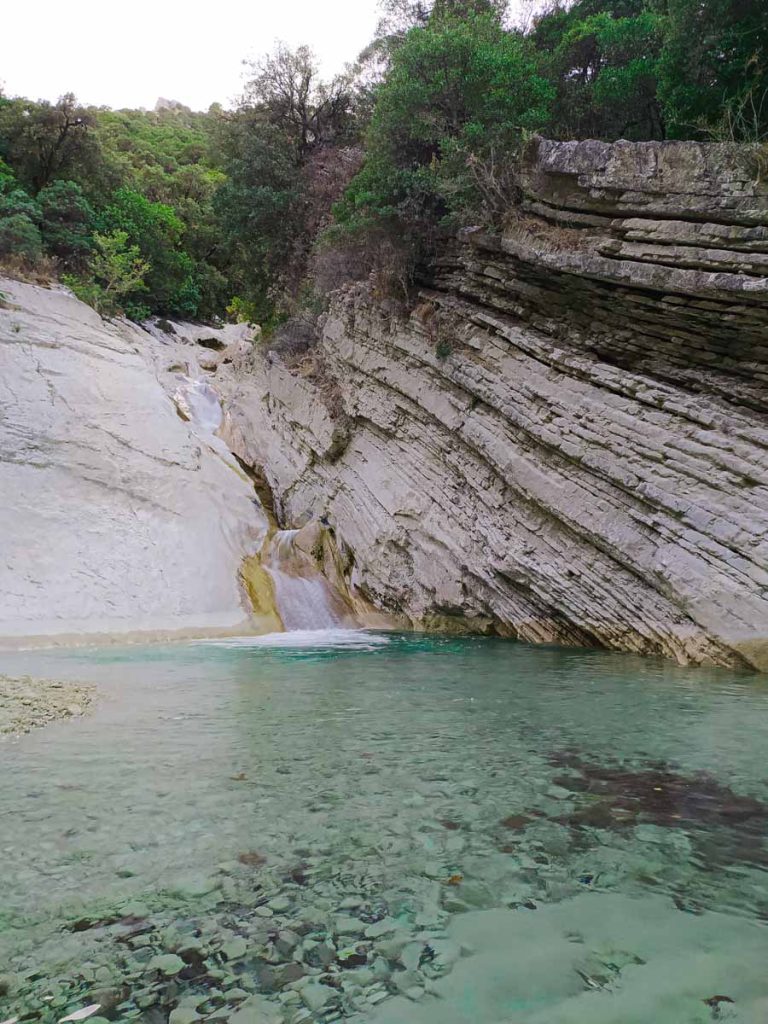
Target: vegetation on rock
259 211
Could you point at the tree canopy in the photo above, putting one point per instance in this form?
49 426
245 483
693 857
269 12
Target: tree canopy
308 182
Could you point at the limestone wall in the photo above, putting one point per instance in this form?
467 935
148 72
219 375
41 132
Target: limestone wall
567 439
120 511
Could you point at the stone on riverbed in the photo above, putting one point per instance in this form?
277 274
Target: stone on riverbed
195 886
256 1010
183 1015
235 949
343 925
317 996
168 964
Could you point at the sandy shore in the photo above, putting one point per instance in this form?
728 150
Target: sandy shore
26 703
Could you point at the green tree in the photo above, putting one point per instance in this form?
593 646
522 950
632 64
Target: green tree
17 201
461 92
45 141
67 221
287 154
287 89
259 207
602 56
169 157
157 231
118 266
20 236
714 68
400 16
117 272
7 177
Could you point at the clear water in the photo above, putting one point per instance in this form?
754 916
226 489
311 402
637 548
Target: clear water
486 799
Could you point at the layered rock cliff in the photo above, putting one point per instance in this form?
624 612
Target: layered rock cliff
120 510
566 440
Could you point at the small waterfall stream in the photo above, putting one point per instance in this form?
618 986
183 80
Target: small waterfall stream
304 598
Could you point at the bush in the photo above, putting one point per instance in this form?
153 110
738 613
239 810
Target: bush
715 61
365 250
19 236
67 221
86 289
460 89
7 177
156 230
117 271
240 310
603 59
17 201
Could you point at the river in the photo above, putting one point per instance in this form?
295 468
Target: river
387 828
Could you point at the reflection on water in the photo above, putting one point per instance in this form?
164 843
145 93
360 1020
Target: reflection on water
374 820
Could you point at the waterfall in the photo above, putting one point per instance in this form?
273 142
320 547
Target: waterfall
304 598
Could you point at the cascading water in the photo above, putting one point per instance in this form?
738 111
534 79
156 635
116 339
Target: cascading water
304 598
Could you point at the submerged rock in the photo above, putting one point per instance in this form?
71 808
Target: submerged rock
317 996
256 1010
167 964
652 800
183 1015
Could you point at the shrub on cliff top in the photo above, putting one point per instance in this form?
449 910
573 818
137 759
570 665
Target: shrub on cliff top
713 70
603 60
117 272
459 89
67 221
20 236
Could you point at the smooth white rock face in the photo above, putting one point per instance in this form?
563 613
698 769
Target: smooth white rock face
116 515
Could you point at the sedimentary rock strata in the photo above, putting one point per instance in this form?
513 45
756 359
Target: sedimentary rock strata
566 440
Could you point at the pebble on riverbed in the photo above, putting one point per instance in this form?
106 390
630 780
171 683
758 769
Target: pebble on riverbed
27 703
338 957
329 930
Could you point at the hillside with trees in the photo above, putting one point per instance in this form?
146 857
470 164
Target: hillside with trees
259 211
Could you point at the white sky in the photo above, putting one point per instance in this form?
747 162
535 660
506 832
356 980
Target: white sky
127 54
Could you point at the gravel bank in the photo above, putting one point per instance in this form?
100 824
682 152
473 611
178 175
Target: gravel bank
26 703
